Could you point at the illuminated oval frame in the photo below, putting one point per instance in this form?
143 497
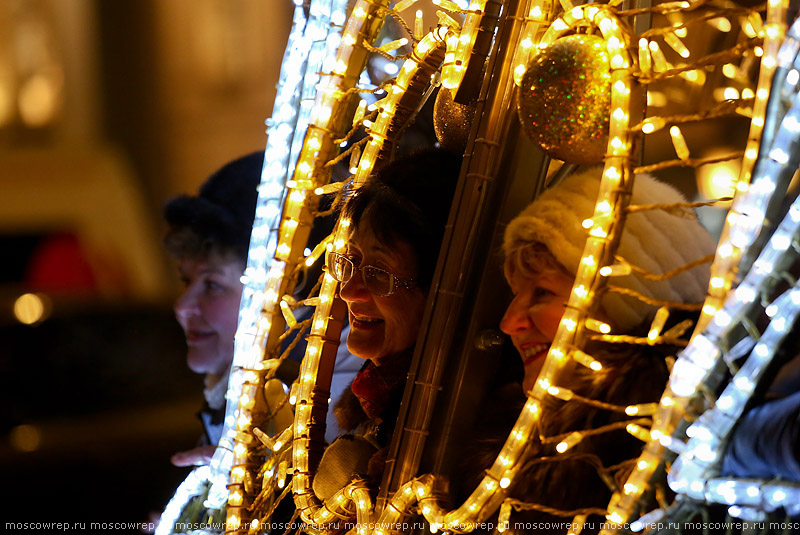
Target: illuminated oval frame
489 493
597 253
426 58
737 235
328 119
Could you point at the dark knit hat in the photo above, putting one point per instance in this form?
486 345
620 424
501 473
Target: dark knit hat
409 200
221 214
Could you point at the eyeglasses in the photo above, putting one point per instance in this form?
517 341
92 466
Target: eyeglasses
377 281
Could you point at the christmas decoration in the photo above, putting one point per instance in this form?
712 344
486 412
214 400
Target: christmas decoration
564 99
452 121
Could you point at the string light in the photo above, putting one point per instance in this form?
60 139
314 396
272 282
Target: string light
500 475
286 131
414 71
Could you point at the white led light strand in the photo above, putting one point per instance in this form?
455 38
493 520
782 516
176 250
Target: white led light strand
194 485
287 126
695 471
700 364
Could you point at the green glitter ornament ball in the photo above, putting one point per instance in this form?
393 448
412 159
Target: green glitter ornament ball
565 99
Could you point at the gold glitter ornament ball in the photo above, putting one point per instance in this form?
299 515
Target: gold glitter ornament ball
565 99
452 121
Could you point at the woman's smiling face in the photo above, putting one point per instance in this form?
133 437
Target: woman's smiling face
532 317
382 327
208 311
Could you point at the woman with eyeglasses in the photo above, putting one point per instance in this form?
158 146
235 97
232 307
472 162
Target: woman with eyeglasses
397 219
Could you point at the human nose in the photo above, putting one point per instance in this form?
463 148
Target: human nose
516 319
187 304
354 289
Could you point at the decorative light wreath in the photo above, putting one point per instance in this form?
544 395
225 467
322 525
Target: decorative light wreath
604 232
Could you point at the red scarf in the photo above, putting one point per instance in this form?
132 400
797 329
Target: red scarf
375 386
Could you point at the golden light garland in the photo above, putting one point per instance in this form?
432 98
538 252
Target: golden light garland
416 73
330 117
612 198
623 506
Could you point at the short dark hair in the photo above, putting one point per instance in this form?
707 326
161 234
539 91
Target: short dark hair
409 199
219 219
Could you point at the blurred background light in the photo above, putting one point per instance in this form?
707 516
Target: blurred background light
715 181
25 438
32 308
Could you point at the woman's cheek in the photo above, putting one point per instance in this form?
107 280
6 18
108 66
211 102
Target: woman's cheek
548 318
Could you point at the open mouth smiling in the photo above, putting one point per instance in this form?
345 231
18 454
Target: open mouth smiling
534 352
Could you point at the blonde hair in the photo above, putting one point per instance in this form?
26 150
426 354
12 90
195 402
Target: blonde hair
528 258
656 241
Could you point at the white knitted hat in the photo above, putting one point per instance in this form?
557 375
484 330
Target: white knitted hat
655 241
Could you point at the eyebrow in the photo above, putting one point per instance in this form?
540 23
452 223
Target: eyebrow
391 256
205 271
385 250
378 247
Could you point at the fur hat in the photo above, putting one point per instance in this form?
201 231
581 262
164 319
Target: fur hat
223 211
655 241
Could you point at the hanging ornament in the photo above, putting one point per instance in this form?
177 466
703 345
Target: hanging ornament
564 99
452 121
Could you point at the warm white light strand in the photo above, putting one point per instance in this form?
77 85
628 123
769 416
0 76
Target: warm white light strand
695 363
311 510
288 123
700 460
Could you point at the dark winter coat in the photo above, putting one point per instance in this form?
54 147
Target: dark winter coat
766 441
584 477
369 410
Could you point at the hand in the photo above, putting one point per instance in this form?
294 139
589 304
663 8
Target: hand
195 457
153 518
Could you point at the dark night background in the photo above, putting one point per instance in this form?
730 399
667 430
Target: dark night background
107 109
